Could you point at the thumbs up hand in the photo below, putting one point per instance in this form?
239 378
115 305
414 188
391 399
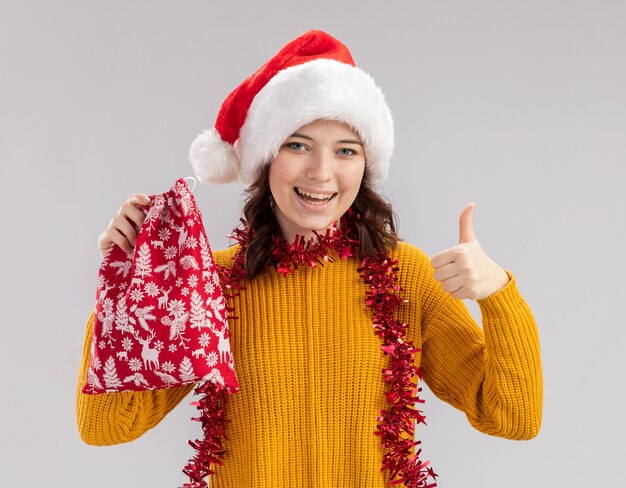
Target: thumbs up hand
465 270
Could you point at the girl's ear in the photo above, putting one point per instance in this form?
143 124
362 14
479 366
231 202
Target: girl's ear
237 149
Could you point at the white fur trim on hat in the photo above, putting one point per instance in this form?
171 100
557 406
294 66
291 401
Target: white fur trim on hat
213 160
318 89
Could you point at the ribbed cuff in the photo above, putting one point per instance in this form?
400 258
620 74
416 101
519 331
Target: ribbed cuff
508 322
493 305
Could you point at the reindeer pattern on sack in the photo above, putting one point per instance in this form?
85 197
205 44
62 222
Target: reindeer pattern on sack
160 315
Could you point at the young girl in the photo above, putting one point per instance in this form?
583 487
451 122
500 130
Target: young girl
337 318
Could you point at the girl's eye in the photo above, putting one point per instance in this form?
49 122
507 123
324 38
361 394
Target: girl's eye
296 146
346 152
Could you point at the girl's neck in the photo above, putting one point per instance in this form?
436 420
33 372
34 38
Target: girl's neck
291 236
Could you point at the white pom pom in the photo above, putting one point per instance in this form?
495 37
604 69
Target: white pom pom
213 160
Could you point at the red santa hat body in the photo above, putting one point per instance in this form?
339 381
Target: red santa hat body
312 77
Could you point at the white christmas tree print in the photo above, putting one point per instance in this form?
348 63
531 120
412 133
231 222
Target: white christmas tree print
121 317
205 253
198 317
110 377
143 266
186 204
186 370
94 382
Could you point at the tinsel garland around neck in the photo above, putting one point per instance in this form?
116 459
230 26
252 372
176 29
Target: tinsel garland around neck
396 425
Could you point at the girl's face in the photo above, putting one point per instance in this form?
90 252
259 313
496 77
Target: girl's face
316 177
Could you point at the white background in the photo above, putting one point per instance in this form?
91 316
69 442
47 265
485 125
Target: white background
519 106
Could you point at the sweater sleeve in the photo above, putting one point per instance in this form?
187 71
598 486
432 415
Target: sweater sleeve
492 374
113 418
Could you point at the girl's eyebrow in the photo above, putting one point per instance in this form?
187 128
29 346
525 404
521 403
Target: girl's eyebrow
344 141
350 141
295 134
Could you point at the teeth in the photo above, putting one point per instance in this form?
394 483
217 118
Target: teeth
316 196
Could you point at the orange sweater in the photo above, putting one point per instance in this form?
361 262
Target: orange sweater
309 366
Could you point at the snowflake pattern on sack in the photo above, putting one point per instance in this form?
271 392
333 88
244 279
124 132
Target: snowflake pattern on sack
160 316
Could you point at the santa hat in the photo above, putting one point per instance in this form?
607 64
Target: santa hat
312 77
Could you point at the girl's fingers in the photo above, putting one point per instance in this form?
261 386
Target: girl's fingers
114 235
446 271
121 240
125 227
132 213
138 199
452 285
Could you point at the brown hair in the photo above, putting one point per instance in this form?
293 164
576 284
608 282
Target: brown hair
376 229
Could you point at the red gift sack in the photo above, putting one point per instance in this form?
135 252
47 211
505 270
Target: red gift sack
160 315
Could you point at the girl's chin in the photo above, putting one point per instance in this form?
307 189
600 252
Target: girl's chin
297 221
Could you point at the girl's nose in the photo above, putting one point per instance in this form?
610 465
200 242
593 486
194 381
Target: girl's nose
320 167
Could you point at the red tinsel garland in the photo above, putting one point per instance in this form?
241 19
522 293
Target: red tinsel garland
383 297
209 449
